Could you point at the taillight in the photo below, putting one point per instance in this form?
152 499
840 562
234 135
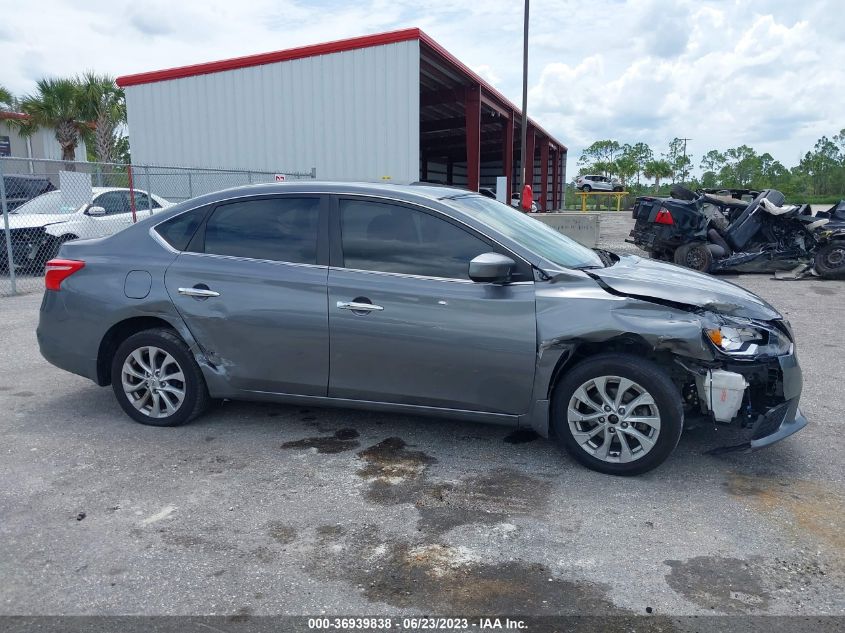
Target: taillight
663 216
57 270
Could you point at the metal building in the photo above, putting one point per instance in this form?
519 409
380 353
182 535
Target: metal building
393 106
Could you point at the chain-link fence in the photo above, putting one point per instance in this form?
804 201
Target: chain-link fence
48 202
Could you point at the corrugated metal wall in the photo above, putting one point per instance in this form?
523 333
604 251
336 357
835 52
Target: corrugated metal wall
353 115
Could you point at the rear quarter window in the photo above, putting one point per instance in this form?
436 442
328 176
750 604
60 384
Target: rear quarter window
179 230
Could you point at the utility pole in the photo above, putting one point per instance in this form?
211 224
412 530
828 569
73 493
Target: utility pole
524 145
685 160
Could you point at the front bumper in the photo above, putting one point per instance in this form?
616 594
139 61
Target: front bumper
778 423
780 417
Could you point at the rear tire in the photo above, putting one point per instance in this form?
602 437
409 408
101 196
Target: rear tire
695 255
156 380
594 435
830 260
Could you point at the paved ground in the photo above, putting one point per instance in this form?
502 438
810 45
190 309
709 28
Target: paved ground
259 509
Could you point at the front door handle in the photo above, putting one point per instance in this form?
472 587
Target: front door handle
198 292
356 306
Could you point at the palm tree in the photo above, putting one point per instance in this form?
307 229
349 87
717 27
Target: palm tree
105 105
657 169
56 104
7 100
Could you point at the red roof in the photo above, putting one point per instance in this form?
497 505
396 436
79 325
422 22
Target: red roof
270 58
338 46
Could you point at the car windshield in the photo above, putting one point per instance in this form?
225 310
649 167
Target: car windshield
46 204
525 231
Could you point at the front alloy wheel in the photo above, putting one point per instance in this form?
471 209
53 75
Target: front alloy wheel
614 419
616 413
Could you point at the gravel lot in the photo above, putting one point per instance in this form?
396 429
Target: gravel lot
270 509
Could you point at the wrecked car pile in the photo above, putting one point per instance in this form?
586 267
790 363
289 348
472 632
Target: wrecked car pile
714 233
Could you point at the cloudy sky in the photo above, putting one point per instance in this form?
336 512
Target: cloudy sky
768 73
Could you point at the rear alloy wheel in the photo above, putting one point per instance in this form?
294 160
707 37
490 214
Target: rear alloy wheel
156 380
830 260
617 414
695 256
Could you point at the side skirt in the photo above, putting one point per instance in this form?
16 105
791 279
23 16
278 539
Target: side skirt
503 419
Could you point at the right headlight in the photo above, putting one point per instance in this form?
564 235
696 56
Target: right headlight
743 338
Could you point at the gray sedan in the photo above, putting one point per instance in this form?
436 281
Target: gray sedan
416 299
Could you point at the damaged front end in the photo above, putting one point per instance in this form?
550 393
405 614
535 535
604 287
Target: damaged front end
730 354
753 382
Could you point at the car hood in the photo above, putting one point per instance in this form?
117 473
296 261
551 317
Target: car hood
35 220
650 279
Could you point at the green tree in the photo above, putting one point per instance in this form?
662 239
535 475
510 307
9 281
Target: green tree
657 170
713 161
743 166
57 104
601 156
626 168
7 99
821 166
104 104
678 160
639 153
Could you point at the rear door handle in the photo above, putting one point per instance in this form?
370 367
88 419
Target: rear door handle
198 292
358 307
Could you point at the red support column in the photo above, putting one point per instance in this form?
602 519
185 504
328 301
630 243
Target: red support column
507 154
473 123
555 179
544 174
529 157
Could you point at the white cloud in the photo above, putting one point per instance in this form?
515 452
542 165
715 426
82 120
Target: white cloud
763 72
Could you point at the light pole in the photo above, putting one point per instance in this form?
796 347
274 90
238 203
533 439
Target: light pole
524 130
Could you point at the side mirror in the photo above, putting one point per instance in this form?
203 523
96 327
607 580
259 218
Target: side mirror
491 268
96 212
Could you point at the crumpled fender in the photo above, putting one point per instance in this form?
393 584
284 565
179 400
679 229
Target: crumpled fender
589 314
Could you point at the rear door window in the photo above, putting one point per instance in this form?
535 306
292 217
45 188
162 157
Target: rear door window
277 229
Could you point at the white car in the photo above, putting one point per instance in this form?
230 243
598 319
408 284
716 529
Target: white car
39 227
589 182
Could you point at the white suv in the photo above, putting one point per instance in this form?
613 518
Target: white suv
597 183
39 227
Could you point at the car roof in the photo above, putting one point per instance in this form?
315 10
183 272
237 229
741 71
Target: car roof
417 191
99 190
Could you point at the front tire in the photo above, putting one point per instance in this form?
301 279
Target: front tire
156 380
830 260
586 188
617 414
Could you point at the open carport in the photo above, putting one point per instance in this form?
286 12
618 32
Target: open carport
392 106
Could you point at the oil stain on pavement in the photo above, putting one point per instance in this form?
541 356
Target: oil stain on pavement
341 440
489 498
725 585
420 576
